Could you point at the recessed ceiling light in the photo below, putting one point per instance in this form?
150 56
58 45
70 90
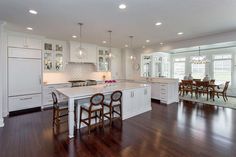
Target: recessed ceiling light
158 23
122 6
104 42
180 33
147 41
126 45
29 28
74 36
33 12
161 43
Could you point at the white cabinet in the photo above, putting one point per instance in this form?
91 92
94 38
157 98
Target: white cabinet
47 93
166 92
136 101
21 41
24 102
103 59
155 91
54 51
91 53
24 78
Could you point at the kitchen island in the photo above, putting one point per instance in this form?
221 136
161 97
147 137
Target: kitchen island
136 98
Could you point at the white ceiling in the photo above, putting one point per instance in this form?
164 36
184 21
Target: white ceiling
58 19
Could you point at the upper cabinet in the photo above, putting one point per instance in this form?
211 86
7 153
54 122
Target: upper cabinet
54 51
103 59
155 65
21 41
91 53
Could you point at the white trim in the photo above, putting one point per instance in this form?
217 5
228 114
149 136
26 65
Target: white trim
1 122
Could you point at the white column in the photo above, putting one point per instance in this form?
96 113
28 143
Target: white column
1 72
71 119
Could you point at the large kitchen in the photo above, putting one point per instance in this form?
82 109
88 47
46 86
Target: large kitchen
114 78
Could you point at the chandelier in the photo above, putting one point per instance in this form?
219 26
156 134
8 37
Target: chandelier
199 59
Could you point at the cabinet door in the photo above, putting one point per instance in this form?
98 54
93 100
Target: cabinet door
127 103
34 43
155 91
24 76
16 41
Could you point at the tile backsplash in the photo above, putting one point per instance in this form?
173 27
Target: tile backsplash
74 72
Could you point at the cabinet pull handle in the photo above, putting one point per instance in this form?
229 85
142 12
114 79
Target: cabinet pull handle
26 98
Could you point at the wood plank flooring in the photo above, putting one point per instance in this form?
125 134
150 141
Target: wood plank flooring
182 130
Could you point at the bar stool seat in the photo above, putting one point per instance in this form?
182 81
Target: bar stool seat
63 105
87 105
114 103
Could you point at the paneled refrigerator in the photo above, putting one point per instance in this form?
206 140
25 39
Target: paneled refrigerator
24 78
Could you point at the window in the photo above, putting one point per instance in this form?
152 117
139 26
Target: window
179 68
222 67
198 71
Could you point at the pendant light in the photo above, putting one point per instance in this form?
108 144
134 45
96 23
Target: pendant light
81 52
199 59
110 53
132 58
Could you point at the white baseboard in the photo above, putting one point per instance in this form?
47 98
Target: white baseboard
1 122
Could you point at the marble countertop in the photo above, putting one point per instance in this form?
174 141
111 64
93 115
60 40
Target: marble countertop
100 88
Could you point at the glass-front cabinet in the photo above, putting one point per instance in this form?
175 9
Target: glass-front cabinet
54 55
103 61
155 65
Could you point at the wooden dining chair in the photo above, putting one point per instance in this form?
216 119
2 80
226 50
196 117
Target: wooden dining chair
223 92
92 109
202 87
60 110
187 86
114 105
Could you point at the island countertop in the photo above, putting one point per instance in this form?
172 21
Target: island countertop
100 88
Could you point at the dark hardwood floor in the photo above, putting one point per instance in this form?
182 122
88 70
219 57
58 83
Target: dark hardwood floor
176 130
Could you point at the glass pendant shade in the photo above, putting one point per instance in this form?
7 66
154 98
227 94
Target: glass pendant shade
81 52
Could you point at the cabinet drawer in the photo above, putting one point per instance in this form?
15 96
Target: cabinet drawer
24 102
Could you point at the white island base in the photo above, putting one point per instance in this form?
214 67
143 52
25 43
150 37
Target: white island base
136 99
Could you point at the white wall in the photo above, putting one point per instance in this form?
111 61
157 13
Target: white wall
1 76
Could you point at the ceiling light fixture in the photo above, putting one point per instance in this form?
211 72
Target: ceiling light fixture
81 52
29 28
147 41
74 36
33 12
104 42
161 43
122 6
199 59
180 33
158 23
110 53
132 58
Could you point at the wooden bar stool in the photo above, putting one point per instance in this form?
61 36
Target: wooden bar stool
60 110
92 108
114 103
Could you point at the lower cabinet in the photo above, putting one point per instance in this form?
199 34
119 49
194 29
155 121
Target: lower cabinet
136 101
47 93
24 102
167 93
